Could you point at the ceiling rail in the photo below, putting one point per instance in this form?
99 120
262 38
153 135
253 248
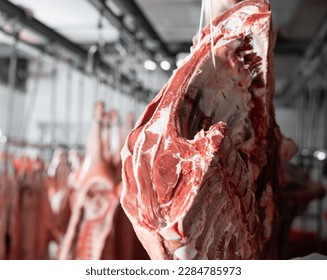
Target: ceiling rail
131 36
26 20
142 23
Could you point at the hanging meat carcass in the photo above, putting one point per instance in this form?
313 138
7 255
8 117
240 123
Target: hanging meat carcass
31 216
122 240
201 168
57 187
95 201
112 141
6 188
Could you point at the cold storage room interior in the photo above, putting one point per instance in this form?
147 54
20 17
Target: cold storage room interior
76 78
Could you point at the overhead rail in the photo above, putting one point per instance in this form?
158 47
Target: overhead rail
142 23
131 36
23 18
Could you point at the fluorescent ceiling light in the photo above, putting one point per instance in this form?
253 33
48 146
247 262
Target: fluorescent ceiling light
165 65
320 155
150 65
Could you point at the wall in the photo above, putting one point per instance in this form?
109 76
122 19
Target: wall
80 113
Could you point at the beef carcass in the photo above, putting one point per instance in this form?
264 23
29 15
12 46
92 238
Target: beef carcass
95 202
2 218
31 218
57 185
112 142
5 204
201 168
122 239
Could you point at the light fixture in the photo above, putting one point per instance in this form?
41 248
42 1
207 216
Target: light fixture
150 65
165 65
3 139
320 155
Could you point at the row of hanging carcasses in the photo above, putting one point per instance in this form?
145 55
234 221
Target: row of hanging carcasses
69 208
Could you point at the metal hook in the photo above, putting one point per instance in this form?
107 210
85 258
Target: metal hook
101 37
90 63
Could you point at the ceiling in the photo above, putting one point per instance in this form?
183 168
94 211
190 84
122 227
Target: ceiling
175 22
76 19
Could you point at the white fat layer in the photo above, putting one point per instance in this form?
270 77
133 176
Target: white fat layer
136 165
159 127
233 22
54 165
186 252
167 143
250 9
56 200
170 234
125 153
85 168
178 168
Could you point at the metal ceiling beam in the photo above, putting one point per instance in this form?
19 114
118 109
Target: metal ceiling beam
20 16
30 22
130 36
131 7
